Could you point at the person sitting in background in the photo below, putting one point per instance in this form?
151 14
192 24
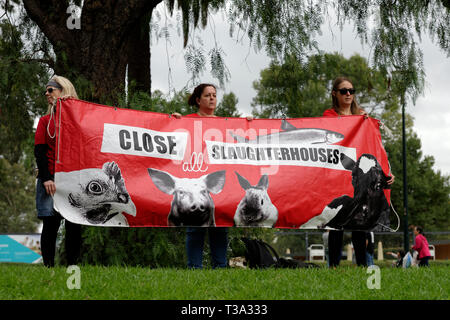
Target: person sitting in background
399 256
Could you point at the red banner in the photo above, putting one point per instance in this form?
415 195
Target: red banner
122 167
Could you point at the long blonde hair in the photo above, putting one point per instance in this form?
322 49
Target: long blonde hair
68 90
355 108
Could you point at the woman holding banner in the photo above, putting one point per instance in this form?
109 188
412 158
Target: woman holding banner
344 103
44 151
205 98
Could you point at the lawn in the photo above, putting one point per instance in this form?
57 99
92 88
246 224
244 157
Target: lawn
32 282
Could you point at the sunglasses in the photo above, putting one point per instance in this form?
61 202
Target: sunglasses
49 90
345 90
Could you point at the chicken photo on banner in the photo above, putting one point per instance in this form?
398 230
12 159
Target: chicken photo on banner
95 196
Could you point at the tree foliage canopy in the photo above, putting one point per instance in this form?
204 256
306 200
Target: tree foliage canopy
111 33
21 87
303 89
17 207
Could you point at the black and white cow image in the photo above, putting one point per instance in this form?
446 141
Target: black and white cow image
255 209
192 204
367 209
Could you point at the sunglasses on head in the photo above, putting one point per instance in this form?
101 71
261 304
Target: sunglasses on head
49 90
345 90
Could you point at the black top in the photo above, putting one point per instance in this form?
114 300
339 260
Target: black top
40 152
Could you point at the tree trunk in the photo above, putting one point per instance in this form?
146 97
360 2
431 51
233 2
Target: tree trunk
100 50
139 56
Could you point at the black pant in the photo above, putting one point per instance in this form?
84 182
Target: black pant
48 240
359 244
335 240
424 262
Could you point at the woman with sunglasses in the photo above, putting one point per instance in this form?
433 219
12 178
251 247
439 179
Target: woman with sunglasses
343 98
344 103
44 151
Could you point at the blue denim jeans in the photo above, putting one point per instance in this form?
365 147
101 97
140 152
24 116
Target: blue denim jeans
369 259
44 202
218 243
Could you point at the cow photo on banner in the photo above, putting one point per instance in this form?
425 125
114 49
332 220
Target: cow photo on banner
129 168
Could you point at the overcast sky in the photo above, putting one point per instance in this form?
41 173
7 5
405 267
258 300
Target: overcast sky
431 112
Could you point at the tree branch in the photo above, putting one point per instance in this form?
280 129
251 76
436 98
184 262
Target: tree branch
49 62
51 17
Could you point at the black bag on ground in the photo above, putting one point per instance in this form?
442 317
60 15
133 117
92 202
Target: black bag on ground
293 264
260 254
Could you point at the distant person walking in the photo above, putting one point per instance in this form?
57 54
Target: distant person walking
422 247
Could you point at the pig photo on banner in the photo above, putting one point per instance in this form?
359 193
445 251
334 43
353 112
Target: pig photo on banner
129 168
192 204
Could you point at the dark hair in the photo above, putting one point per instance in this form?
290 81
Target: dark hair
197 93
355 109
419 229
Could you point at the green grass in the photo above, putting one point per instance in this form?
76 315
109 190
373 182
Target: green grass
135 283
